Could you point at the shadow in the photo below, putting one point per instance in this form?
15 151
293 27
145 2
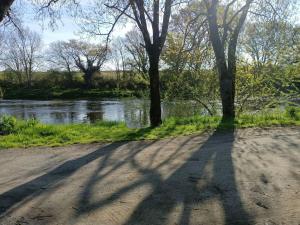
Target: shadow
51 180
190 186
149 176
216 151
205 179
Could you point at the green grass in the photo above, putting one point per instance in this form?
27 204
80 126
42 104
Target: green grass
32 133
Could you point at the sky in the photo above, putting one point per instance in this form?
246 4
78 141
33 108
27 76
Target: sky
65 29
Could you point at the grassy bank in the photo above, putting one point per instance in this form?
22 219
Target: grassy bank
32 133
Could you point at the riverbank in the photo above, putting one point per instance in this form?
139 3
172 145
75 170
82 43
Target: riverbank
24 134
66 94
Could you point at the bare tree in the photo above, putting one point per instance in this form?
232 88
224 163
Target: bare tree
22 53
118 58
58 56
89 58
137 55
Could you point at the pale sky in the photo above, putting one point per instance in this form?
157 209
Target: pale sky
66 27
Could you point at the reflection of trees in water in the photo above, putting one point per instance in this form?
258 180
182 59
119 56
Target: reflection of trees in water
94 111
59 117
72 112
136 113
72 117
181 109
93 117
24 111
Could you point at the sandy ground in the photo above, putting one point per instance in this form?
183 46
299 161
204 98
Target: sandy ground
249 176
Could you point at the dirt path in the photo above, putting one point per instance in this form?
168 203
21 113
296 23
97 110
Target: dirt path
248 177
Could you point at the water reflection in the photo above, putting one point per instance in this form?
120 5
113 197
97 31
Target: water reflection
135 112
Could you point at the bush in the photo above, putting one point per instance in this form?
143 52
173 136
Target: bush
8 124
293 112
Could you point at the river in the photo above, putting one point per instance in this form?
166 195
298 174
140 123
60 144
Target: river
134 112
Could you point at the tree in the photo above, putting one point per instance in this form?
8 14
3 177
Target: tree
118 58
22 53
188 58
231 26
268 42
88 58
58 55
225 25
137 55
152 18
188 46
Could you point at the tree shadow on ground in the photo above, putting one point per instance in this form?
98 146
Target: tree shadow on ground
221 186
190 185
50 181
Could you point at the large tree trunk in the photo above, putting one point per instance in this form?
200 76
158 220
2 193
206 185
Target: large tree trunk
155 107
69 76
88 75
227 94
226 77
227 80
4 7
227 71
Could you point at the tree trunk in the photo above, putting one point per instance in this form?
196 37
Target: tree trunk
69 76
155 107
227 94
88 79
226 70
4 7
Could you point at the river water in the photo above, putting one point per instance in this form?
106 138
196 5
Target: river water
134 112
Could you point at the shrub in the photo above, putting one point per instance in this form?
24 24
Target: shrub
293 112
8 124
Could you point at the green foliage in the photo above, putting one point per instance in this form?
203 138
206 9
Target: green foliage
259 88
293 112
78 93
32 133
57 85
200 86
8 124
